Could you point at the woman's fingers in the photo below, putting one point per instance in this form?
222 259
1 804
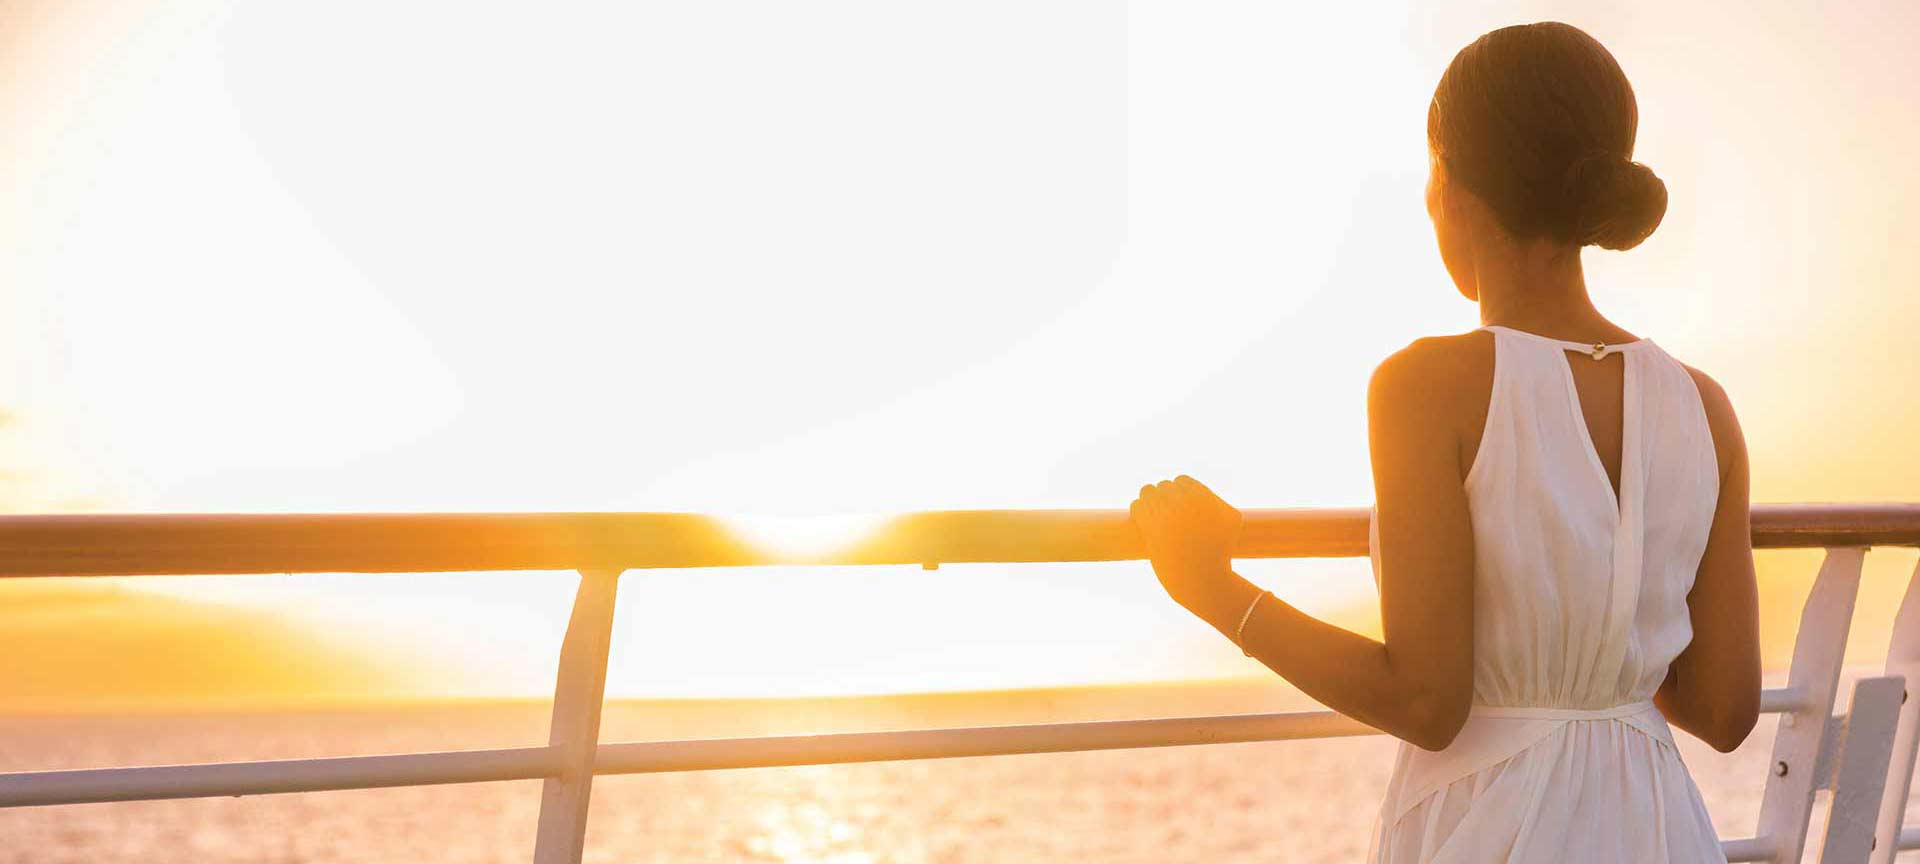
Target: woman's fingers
1166 493
1165 496
1194 487
1142 507
1199 491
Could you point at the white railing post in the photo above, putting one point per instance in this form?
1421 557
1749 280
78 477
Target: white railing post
1903 659
1858 776
574 731
1818 648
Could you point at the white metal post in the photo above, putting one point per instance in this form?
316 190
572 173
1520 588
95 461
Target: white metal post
1817 651
1903 659
1859 775
574 731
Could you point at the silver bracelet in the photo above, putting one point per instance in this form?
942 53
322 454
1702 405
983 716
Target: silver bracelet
1239 633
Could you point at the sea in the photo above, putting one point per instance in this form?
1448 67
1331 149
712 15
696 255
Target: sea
1268 802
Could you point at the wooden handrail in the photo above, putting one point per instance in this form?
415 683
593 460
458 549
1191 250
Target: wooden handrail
110 544
156 544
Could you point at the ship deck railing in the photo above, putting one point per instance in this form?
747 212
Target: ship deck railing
1861 758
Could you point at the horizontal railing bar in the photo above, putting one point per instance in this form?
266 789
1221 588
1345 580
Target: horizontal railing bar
1746 849
1807 526
1910 838
699 754
702 754
167 543
157 782
1775 700
708 754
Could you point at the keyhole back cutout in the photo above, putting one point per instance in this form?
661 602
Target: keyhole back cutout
1601 406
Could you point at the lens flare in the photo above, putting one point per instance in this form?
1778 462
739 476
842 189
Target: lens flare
803 537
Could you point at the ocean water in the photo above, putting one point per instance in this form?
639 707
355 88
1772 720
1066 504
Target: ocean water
1290 801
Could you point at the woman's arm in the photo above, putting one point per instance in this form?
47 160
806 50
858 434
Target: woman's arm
1418 684
1712 688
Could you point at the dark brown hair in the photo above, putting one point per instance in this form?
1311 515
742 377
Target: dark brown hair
1538 121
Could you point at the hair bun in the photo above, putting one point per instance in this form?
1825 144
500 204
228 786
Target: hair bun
1612 202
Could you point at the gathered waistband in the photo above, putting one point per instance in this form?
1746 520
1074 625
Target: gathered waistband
1537 712
1495 733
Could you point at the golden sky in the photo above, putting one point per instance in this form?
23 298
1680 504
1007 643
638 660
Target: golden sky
831 258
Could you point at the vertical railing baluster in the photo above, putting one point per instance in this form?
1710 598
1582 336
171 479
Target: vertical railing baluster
1818 648
1859 770
574 730
1903 659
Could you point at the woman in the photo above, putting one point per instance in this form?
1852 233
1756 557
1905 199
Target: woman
1560 535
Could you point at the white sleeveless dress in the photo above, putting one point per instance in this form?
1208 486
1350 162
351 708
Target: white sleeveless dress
1580 603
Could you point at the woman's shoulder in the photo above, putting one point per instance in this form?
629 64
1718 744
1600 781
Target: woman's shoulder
1433 366
1439 384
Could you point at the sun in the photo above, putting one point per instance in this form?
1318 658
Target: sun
801 538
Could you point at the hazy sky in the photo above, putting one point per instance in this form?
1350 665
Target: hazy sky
769 258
